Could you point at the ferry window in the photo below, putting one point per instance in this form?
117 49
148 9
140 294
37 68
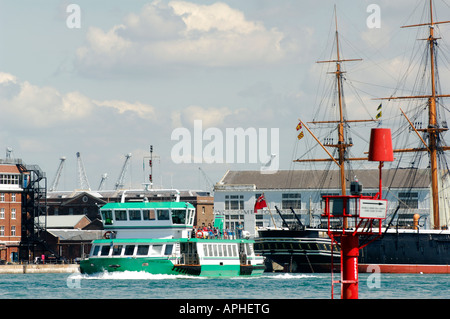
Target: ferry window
117 250
215 250
220 250
107 217
229 251
205 250
142 250
149 214
134 214
225 250
249 249
234 251
192 215
104 251
156 250
95 250
129 250
120 214
168 250
163 214
178 216
210 250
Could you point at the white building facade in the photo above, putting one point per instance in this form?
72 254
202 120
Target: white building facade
235 195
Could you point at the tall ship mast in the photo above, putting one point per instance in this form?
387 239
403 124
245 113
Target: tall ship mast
434 130
420 240
343 142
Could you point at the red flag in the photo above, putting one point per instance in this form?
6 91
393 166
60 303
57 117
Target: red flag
260 203
299 126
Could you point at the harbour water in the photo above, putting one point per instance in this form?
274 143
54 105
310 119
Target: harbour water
133 285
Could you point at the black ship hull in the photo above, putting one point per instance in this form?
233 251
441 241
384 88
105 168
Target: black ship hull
408 251
297 251
397 251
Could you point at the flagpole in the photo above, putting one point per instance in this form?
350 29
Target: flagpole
271 216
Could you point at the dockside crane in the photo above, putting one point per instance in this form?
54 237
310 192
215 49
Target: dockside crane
102 182
82 177
208 181
58 174
119 183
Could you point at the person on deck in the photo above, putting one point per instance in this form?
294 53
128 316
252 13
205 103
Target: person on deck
240 228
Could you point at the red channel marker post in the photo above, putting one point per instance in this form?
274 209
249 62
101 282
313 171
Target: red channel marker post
380 150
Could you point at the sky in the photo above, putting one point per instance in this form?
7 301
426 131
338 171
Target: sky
110 77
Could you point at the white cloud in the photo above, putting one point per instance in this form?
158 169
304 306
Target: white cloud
217 17
210 117
40 106
184 33
144 111
46 106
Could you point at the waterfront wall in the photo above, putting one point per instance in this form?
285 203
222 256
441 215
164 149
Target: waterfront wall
39 269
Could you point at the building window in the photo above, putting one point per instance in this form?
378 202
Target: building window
8 179
13 230
2 230
408 199
234 202
291 200
13 197
13 213
2 213
2 197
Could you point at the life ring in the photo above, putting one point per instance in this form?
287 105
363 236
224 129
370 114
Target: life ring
107 235
199 234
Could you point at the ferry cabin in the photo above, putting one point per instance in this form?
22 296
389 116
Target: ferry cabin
148 219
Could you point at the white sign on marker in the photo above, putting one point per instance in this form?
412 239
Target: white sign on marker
372 208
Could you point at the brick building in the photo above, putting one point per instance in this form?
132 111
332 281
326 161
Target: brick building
11 181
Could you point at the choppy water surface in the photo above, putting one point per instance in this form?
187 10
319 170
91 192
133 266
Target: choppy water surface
134 285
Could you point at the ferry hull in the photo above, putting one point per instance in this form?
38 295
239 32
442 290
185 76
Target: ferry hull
185 256
161 266
150 265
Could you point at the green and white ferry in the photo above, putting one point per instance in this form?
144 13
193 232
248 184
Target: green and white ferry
158 238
